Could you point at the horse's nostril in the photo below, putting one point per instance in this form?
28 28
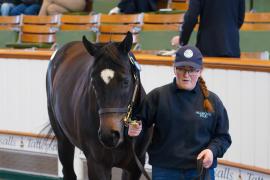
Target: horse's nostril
115 135
109 139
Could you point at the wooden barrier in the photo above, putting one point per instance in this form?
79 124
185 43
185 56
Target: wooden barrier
211 62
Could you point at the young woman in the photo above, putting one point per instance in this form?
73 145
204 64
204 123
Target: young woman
190 122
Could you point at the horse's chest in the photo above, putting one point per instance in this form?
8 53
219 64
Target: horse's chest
110 156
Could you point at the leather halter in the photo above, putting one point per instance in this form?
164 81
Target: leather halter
127 110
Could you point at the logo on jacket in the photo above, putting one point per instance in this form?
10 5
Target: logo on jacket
204 115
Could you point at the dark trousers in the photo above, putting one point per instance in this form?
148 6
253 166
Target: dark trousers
176 174
32 9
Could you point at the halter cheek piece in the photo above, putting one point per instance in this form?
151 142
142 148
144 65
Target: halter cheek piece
128 110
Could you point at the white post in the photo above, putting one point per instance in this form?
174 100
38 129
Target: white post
78 164
60 167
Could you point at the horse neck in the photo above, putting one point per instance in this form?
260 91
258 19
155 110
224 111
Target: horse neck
139 98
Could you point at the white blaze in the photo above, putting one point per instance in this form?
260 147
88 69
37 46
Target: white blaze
107 75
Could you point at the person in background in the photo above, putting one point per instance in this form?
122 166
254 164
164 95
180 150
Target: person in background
53 7
28 7
134 6
190 122
219 24
7 5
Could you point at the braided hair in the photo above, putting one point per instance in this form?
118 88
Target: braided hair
206 103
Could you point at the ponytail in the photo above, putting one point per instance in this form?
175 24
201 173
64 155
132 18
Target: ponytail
206 103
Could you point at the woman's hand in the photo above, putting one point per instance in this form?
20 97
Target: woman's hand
207 156
115 10
134 129
175 41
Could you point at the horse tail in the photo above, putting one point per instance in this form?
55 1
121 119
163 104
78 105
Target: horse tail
47 134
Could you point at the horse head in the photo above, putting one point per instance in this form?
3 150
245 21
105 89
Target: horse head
113 83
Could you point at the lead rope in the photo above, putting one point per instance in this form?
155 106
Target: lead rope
203 173
127 120
138 162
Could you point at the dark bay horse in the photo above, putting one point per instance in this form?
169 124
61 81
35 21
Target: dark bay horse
89 89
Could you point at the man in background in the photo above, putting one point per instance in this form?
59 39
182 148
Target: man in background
219 24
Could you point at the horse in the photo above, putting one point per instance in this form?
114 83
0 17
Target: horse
92 89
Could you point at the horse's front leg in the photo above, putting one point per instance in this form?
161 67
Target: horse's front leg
66 156
98 171
133 172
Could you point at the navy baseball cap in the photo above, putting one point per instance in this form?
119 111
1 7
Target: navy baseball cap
188 56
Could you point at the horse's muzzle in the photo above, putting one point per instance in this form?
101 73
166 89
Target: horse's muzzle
110 139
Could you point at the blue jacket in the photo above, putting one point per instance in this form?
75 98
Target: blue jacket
182 127
220 21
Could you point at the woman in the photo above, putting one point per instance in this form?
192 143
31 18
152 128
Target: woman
53 7
190 122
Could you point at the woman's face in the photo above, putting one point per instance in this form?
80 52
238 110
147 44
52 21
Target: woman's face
186 77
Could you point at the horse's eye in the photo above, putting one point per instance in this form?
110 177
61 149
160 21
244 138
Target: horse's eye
125 83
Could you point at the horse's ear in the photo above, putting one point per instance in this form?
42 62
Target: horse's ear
90 47
126 44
